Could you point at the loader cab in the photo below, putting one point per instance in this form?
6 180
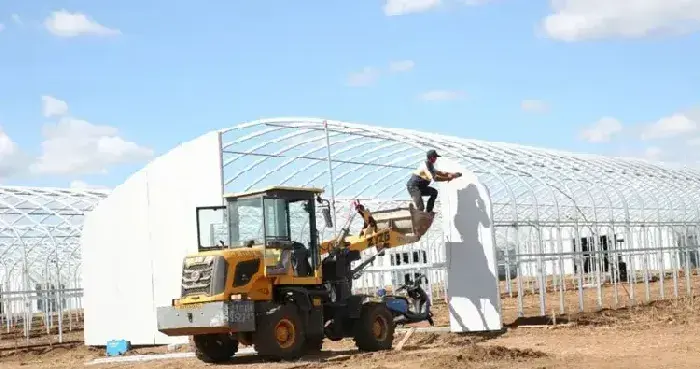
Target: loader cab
279 220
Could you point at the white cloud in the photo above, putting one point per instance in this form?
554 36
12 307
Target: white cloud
17 19
653 153
369 75
668 127
672 140
74 146
82 185
12 160
366 77
402 7
534 106
602 130
70 146
7 146
442 95
401 66
576 20
66 24
53 107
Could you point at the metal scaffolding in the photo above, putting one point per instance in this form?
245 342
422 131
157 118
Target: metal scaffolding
40 255
564 222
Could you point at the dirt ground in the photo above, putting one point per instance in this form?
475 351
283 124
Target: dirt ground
661 334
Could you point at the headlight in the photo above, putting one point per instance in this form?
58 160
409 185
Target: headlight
219 272
198 260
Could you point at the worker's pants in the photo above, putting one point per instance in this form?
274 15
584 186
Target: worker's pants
417 193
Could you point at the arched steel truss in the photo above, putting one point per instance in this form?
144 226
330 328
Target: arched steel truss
545 202
528 185
40 234
531 188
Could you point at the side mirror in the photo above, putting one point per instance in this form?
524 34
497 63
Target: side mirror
327 217
326 211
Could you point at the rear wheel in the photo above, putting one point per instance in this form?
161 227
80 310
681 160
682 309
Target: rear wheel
280 334
374 331
214 348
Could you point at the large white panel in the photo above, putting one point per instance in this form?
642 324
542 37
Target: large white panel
472 279
130 259
134 241
118 289
187 177
92 305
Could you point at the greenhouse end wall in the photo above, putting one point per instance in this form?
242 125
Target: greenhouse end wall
134 241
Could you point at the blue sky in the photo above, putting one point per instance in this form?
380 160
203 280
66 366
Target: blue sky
125 80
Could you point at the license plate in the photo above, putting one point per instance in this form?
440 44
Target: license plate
189 306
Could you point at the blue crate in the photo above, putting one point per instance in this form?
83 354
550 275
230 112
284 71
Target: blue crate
117 347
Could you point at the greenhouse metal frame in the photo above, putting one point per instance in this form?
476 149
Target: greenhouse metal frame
605 229
40 256
574 232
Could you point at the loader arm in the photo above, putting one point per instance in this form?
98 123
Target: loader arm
384 229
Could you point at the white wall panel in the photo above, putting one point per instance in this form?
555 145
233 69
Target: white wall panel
187 178
131 262
472 276
115 267
134 241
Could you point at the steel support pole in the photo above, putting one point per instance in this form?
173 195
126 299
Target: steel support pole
330 174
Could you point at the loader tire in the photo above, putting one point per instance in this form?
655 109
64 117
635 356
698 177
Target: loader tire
314 345
214 348
374 330
280 334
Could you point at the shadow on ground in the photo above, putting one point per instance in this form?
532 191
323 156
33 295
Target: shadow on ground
323 356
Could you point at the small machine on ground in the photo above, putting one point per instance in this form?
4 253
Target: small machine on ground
412 309
261 277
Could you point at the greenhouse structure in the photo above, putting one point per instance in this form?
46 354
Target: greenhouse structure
572 231
40 257
559 217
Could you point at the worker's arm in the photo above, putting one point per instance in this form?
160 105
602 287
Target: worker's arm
440 176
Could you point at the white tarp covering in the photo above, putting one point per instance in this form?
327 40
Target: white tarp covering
134 241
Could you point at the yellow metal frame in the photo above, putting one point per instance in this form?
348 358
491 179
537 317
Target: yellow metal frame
261 191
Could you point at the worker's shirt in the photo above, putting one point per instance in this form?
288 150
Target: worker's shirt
423 175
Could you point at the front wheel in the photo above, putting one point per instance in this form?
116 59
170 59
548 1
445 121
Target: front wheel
280 334
214 348
374 330
314 345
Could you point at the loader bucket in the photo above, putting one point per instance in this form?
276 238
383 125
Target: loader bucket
408 221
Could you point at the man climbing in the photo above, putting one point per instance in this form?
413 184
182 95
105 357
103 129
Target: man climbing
419 183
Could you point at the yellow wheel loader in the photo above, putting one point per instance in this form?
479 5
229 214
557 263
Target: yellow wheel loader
261 277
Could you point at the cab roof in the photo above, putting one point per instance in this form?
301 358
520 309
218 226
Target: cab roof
265 190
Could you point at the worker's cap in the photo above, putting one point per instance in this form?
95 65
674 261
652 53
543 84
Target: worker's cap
432 154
